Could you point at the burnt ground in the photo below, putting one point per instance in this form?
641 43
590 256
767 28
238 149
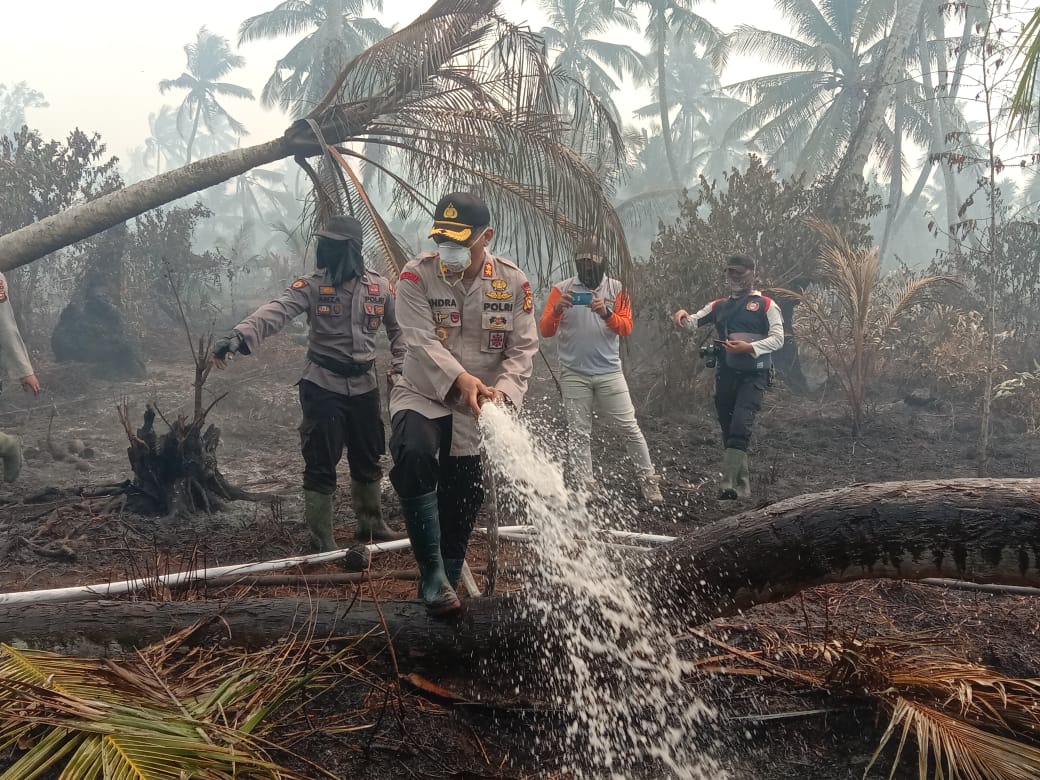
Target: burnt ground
74 439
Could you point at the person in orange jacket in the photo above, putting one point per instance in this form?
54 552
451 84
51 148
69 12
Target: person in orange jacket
590 312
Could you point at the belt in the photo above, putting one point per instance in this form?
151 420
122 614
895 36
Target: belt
342 368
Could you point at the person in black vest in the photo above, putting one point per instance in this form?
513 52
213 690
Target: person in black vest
750 328
346 304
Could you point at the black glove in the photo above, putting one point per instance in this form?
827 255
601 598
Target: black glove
230 344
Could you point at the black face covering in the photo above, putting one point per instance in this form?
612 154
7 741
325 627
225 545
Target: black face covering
590 274
342 259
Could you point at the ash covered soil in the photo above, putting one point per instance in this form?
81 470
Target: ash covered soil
51 536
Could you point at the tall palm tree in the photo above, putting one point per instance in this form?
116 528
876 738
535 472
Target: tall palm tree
805 116
209 58
339 31
703 117
586 59
164 141
670 23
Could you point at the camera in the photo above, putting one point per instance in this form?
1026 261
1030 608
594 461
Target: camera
710 354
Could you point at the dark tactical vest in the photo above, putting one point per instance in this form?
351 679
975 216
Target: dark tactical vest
743 319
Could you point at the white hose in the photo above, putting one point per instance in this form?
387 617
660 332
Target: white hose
107 589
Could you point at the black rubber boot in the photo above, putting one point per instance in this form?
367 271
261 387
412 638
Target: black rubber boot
424 531
368 509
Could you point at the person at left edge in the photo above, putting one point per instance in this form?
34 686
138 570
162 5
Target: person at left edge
468 321
345 304
15 358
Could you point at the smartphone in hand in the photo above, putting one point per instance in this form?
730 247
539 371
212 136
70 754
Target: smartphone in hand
581 298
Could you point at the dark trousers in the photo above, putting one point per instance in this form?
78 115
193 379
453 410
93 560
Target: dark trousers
420 447
331 422
738 398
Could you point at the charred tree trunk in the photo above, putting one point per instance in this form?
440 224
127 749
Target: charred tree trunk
983 530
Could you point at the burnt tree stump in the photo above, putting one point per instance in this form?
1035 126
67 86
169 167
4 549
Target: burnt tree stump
177 473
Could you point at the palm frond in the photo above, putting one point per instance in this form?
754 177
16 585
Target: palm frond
469 101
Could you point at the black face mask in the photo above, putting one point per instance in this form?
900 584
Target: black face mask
342 259
590 274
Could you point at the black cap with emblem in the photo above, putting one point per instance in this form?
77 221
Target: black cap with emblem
457 214
343 227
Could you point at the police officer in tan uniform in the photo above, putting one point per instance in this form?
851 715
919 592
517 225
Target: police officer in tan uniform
471 336
16 360
346 304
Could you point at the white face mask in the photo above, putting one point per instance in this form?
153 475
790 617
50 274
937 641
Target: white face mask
455 257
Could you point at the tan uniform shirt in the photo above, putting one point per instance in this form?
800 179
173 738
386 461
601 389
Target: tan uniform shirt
13 354
487 330
343 324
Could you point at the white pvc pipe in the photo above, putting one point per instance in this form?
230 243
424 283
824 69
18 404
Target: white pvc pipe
103 590
87 592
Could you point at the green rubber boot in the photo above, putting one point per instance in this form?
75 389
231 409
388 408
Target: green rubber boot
453 570
317 512
424 531
11 455
731 460
368 509
743 483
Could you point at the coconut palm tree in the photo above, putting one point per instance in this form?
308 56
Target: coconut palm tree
339 31
703 118
164 142
669 22
586 59
209 58
805 116
466 99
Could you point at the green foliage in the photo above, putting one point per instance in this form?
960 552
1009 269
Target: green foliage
39 178
161 252
14 102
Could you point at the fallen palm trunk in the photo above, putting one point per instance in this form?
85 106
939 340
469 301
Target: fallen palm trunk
982 530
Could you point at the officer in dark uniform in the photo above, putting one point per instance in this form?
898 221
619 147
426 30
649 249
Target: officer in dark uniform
750 328
345 304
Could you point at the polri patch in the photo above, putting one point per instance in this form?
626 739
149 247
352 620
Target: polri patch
299 284
496 340
753 305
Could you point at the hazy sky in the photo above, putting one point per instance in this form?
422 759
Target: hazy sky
99 63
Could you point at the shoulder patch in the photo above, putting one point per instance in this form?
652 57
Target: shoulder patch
768 302
410 276
528 296
753 305
299 284
3 289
